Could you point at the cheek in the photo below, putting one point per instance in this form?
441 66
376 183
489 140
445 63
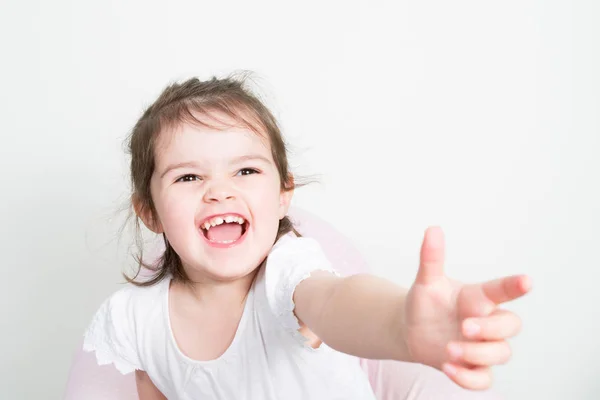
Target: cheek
265 199
176 209
267 195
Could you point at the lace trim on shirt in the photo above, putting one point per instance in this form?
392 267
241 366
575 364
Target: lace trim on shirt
286 314
305 257
106 342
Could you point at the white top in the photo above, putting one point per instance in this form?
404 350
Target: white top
267 359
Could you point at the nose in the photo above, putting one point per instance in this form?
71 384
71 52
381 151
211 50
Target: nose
218 192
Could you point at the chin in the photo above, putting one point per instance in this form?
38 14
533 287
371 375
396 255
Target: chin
228 264
230 261
229 272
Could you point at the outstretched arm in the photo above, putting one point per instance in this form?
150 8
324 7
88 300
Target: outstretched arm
440 322
360 315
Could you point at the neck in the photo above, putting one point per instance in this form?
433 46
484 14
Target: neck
225 293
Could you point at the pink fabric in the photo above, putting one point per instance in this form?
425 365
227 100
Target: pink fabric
389 379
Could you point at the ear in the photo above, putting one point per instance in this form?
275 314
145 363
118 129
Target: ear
145 214
285 198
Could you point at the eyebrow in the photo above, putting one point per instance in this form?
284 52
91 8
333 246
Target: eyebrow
237 160
250 157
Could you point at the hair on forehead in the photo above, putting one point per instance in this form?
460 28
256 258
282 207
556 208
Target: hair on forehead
214 104
212 119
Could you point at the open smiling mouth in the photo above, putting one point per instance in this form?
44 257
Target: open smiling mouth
224 230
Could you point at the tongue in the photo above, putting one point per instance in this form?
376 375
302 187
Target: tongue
225 232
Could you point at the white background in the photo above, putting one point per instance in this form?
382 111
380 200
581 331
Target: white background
480 116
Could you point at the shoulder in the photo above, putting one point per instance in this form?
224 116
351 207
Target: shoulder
113 331
294 256
297 249
137 299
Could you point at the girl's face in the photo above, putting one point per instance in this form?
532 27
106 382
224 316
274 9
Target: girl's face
208 178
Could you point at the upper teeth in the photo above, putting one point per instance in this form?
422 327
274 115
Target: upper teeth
223 218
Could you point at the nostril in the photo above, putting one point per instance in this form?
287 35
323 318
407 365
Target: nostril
216 196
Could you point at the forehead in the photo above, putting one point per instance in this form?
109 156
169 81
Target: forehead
215 137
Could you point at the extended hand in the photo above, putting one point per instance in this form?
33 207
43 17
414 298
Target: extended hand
458 327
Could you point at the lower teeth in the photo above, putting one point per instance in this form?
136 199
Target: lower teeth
223 242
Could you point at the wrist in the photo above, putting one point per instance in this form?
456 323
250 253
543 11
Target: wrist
400 345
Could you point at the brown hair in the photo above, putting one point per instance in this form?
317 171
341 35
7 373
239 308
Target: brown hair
182 103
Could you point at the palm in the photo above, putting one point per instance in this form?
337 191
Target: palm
437 307
432 320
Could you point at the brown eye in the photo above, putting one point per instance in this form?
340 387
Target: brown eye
247 171
188 178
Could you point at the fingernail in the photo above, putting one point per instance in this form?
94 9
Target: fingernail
526 284
449 369
455 350
471 328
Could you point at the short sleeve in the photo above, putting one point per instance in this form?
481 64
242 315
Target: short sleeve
291 261
111 334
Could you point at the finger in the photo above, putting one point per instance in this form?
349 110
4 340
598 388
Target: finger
507 289
481 299
500 325
476 378
480 353
431 266
472 302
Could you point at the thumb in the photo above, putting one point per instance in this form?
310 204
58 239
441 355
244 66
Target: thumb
433 250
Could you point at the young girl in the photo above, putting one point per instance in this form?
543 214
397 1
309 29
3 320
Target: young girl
239 306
